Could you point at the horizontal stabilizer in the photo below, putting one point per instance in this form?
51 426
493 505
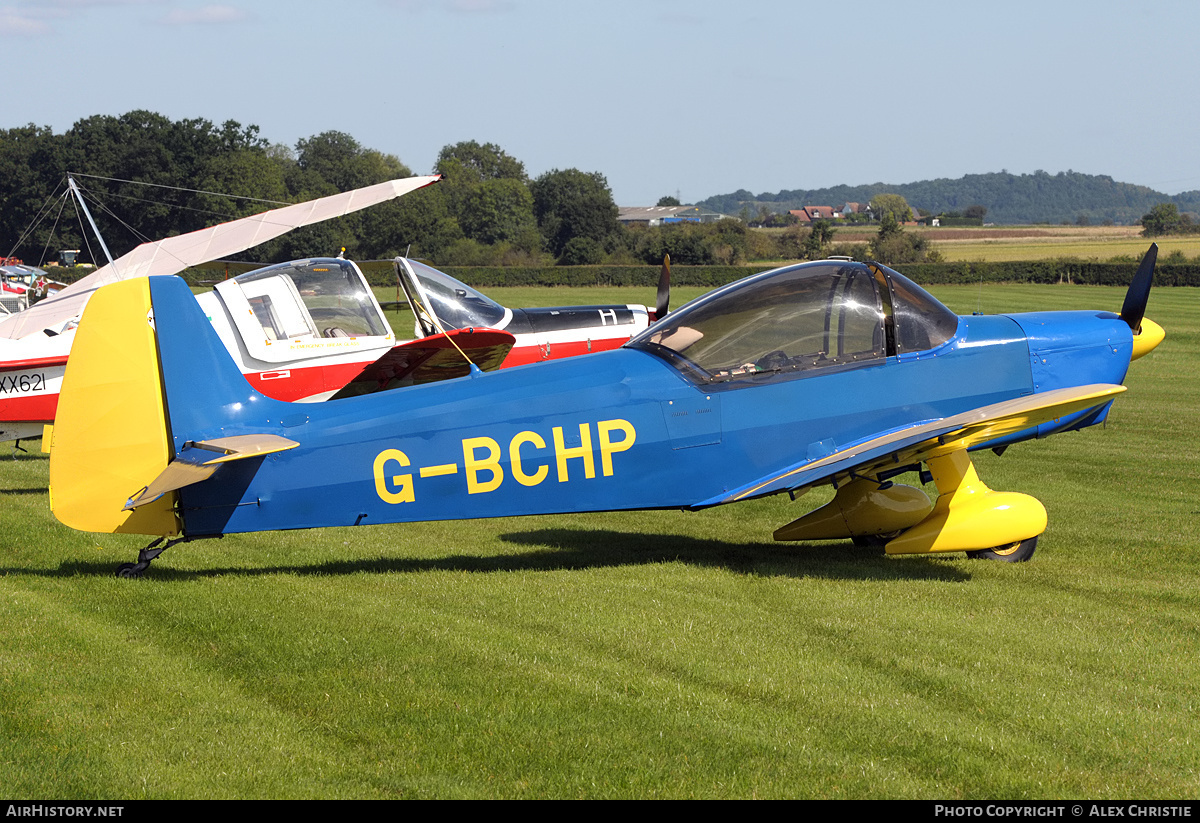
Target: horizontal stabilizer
199 459
921 441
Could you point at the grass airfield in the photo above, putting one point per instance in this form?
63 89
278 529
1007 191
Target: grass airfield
653 654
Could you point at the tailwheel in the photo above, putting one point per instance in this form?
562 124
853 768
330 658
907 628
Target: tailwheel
1017 552
131 571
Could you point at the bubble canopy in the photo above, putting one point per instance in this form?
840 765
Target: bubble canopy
800 318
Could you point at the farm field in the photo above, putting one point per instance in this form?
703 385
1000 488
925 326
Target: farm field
636 655
1011 243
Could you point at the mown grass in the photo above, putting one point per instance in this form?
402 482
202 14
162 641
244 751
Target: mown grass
656 654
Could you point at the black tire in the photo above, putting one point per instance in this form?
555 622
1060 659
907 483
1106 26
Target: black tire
1011 553
873 541
129 571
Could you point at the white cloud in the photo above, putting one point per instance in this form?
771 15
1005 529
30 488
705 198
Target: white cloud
17 23
204 15
474 6
37 17
460 6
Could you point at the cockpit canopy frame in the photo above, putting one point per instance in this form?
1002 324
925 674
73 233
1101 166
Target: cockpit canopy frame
284 308
796 320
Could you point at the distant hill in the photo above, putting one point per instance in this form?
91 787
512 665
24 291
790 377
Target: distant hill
1040 197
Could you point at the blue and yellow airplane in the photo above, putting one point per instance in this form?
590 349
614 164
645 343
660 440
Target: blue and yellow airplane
832 372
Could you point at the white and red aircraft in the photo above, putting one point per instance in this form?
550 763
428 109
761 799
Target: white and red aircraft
309 330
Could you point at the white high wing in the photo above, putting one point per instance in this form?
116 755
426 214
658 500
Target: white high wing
309 330
175 254
35 343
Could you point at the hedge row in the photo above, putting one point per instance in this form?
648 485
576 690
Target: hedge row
1041 271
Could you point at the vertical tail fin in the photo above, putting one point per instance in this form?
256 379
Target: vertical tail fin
111 434
147 376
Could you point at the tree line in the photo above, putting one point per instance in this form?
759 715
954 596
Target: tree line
1039 197
148 177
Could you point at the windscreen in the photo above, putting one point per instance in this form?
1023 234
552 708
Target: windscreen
457 305
802 317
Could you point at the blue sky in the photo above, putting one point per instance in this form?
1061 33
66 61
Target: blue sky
695 97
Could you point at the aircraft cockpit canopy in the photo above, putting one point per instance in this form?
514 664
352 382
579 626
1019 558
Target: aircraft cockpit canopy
301 300
456 305
800 318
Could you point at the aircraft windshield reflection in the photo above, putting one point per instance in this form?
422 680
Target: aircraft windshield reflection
804 317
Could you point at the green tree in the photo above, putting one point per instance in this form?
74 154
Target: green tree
334 161
889 226
894 245
30 169
570 203
893 204
792 243
486 191
581 251
130 147
479 162
325 164
1162 219
818 238
695 244
668 201
241 174
497 211
419 223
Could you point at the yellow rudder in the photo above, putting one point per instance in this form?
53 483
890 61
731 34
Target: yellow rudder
110 436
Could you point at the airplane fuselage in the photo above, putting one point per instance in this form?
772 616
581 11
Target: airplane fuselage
616 430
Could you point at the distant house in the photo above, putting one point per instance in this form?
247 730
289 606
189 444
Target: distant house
810 213
665 215
858 208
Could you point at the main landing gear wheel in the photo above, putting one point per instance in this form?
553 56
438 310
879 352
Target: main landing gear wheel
1011 553
873 541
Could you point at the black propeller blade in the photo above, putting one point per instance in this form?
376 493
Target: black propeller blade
1134 307
664 289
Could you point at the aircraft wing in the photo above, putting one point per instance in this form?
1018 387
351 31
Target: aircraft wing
920 441
430 359
175 254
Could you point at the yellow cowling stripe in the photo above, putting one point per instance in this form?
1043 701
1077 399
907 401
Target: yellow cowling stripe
110 433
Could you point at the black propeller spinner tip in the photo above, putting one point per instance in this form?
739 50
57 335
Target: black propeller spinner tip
1134 307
